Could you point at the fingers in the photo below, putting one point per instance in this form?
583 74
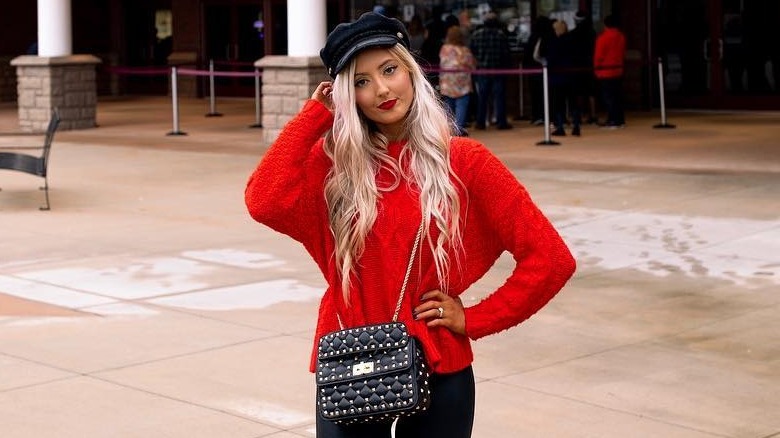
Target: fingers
434 295
439 309
429 311
438 323
434 299
323 94
323 91
429 307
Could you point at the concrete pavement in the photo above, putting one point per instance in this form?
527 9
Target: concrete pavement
147 302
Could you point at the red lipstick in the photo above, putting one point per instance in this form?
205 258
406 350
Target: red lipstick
388 104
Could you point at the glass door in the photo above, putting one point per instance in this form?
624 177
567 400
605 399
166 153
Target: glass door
751 59
148 43
720 54
235 36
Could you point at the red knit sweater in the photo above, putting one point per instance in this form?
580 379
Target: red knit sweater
609 54
285 192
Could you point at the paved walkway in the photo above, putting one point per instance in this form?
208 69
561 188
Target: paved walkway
146 303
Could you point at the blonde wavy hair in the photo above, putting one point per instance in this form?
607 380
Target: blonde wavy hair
358 150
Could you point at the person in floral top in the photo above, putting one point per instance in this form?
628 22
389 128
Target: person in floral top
455 87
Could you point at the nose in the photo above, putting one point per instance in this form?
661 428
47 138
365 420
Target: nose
381 87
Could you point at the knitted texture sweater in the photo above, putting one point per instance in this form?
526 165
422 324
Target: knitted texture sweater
286 193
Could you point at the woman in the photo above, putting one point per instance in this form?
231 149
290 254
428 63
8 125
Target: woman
355 200
455 86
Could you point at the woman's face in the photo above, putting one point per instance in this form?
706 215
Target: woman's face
383 90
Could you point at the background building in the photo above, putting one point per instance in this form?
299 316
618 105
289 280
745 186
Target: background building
716 53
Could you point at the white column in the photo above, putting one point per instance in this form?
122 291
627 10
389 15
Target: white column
306 27
54 28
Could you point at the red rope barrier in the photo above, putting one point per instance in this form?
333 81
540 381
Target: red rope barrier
229 74
161 71
150 71
490 71
521 71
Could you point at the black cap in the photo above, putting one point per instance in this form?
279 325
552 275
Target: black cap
370 30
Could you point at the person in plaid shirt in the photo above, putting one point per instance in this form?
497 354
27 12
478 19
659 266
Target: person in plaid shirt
491 49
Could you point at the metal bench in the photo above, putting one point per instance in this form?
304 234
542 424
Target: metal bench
37 165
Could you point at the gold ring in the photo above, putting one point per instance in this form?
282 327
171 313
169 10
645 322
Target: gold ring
441 312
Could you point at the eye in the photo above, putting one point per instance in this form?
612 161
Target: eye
390 69
360 83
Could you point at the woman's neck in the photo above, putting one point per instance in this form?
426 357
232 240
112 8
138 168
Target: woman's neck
393 131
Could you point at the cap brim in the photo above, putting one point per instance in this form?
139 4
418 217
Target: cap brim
372 41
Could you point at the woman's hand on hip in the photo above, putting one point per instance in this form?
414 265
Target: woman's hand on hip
442 310
323 94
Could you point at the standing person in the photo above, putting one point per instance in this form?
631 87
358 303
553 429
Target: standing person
464 21
491 48
558 51
417 34
352 176
435 29
455 87
584 41
608 59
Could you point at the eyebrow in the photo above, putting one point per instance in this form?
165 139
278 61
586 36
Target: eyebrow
382 65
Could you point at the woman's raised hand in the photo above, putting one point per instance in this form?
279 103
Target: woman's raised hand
323 94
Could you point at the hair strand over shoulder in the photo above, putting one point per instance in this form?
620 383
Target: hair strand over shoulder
358 151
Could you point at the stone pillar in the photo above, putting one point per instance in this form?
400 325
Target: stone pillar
56 78
63 82
287 82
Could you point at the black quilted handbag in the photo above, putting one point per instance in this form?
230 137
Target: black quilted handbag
372 373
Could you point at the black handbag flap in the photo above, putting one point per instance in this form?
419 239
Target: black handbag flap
364 353
366 338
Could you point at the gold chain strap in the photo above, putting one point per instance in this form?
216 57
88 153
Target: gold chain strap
406 276
408 270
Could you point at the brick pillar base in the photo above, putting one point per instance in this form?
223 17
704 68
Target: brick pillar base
287 82
63 82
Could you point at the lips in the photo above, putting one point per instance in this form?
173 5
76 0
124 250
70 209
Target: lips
388 104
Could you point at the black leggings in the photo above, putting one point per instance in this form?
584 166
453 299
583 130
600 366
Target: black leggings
451 414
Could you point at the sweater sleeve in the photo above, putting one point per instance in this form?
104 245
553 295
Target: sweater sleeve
279 192
511 219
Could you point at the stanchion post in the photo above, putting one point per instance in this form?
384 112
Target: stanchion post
662 96
212 99
257 124
547 140
521 92
175 101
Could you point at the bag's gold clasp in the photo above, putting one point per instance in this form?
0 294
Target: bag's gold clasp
361 368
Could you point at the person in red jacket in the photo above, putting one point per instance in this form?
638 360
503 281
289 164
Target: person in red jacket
351 177
608 59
